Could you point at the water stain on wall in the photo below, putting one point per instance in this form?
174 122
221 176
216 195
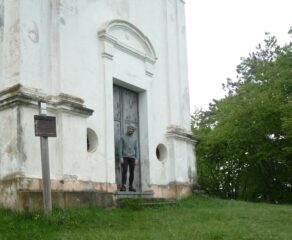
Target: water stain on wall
30 29
1 20
121 7
20 143
10 148
68 7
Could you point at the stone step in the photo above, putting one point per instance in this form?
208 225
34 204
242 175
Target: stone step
127 194
137 200
159 202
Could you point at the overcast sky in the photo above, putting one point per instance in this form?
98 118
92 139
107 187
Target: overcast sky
219 32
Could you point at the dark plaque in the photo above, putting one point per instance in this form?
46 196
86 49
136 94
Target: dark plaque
45 126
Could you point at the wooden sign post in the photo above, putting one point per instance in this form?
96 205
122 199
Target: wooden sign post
45 126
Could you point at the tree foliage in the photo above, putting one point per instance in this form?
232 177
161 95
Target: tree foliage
245 148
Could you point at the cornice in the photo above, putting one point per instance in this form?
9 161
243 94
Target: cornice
179 133
20 95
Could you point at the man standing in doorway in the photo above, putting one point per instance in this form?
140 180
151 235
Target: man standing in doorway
128 153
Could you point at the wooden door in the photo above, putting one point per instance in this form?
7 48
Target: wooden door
125 112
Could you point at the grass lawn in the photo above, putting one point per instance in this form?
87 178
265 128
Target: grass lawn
192 218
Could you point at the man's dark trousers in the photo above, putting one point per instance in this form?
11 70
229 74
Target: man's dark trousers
131 163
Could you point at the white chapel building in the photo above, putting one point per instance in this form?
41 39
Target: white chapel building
99 65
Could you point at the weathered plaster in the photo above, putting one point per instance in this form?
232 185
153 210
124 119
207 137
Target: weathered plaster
23 183
174 190
1 35
21 193
1 18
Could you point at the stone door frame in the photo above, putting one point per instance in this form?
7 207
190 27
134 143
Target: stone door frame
121 39
123 122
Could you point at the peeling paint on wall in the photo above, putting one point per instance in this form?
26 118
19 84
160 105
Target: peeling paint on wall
33 32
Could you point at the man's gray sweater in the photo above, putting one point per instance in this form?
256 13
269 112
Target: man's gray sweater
128 147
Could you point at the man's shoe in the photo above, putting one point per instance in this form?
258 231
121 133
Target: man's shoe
131 189
123 189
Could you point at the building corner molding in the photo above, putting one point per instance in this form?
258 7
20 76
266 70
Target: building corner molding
21 95
174 131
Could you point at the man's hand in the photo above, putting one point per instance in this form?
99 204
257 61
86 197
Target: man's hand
121 161
136 162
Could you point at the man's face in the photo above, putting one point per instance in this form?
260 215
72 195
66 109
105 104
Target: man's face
131 130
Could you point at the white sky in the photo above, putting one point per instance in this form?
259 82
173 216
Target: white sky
219 32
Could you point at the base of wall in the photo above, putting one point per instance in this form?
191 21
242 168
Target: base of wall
25 194
173 190
33 201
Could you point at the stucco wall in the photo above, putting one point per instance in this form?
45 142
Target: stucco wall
10 144
66 46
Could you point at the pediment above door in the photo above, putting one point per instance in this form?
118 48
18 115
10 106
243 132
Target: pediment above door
124 36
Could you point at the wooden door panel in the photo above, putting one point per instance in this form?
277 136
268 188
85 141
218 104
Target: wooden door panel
125 112
130 107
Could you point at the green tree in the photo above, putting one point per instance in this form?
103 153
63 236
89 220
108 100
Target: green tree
246 137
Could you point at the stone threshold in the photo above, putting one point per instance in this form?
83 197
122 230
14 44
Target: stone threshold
127 194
